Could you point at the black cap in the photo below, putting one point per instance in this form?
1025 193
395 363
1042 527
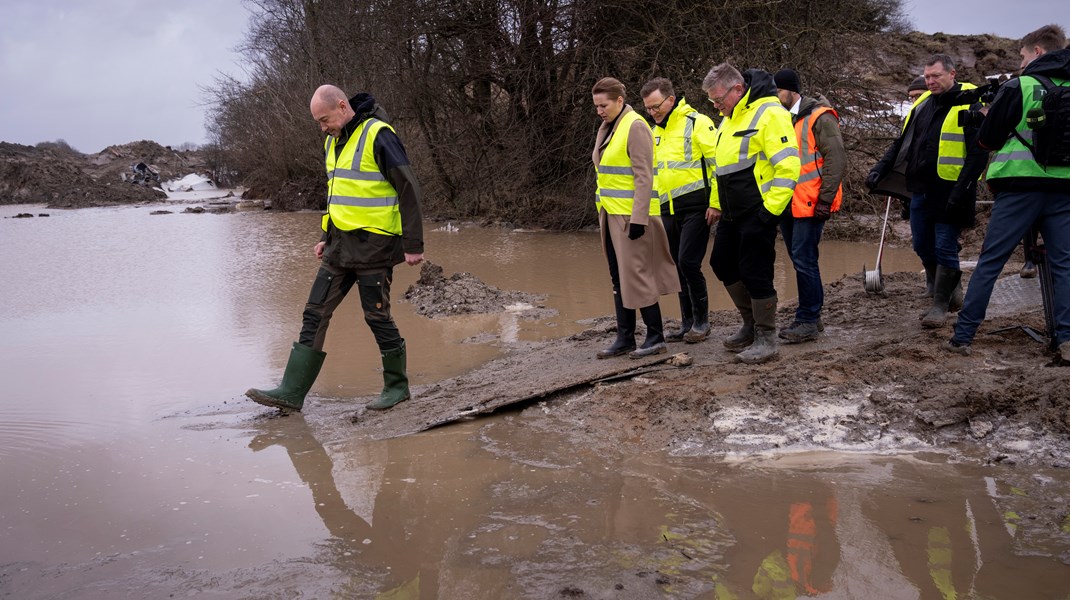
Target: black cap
917 84
787 79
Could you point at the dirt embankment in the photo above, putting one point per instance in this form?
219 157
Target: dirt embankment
57 175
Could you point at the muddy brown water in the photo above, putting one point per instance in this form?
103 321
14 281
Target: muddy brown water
131 466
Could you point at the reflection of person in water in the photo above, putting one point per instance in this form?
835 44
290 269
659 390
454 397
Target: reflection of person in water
384 545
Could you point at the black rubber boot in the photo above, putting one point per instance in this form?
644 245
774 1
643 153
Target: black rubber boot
946 281
745 336
687 319
301 371
655 341
764 347
701 329
930 280
625 341
395 380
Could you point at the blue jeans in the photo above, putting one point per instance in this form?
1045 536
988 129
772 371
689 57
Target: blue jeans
801 237
934 243
1012 215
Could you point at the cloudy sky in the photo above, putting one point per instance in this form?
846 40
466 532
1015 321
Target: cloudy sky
102 72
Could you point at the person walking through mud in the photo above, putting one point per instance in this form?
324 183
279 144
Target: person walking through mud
941 163
1027 193
684 143
757 161
636 247
373 223
817 195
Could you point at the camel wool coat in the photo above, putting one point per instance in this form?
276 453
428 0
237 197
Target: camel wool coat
646 268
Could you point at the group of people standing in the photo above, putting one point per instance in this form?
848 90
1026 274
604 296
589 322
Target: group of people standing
775 162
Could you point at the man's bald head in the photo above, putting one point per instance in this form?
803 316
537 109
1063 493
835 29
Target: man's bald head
330 108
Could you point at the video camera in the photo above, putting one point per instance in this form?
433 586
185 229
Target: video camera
982 94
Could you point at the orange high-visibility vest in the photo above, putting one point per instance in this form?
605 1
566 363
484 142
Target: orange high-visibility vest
809 186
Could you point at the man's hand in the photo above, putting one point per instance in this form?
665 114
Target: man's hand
712 215
414 259
318 249
822 211
956 202
635 231
873 179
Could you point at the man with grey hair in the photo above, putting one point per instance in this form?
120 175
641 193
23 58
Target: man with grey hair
941 163
373 223
757 167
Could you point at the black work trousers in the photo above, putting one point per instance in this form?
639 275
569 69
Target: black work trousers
330 288
689 234
744 249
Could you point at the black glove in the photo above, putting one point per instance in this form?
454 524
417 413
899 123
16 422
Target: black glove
635 231
957 201
873 179
822 211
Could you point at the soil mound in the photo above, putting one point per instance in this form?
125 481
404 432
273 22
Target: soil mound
59 176
435 295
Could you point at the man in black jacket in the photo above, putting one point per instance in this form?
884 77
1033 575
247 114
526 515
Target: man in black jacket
941 162
373 223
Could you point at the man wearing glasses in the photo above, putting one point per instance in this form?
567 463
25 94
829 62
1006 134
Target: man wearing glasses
684 144
757 158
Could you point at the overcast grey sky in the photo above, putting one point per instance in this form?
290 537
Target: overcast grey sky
102 72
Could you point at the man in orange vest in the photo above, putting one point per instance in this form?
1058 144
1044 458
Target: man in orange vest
817 195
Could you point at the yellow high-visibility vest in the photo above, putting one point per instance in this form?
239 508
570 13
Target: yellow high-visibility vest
359 195
616 180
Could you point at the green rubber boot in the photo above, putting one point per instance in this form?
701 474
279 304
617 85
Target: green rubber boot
395 381
301 371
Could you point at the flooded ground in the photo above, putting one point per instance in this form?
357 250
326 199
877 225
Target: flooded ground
132 466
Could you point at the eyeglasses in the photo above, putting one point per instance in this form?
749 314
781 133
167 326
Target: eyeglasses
657 106
716 101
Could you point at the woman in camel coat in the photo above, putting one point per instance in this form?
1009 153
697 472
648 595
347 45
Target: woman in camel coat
633 239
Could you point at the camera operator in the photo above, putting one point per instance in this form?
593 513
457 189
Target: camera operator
941 162
1026 192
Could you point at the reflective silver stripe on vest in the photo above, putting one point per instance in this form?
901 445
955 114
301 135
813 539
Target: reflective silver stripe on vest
952 137
778 182
689 128
804 143
1027 135
680 164
617 193
691 187
950 160
361 175
1009 156
739 166
815 174
744 147
783 154
614 170
711 163
364 202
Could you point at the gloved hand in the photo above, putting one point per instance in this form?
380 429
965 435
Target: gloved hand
635 231
822 211
873 179
957 201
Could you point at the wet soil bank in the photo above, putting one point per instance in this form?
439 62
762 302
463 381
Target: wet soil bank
875 382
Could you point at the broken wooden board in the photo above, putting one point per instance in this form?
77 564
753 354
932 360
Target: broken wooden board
523 375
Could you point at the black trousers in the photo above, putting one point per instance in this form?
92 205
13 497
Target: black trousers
330 288
744 249
688 236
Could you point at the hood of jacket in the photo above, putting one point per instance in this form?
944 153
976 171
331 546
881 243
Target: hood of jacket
808 104
365 106
1052 64
758 84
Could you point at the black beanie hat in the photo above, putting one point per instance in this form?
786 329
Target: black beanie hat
917 84
787 79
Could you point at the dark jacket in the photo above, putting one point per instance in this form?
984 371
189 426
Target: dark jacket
1005 113
362 249
914 154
